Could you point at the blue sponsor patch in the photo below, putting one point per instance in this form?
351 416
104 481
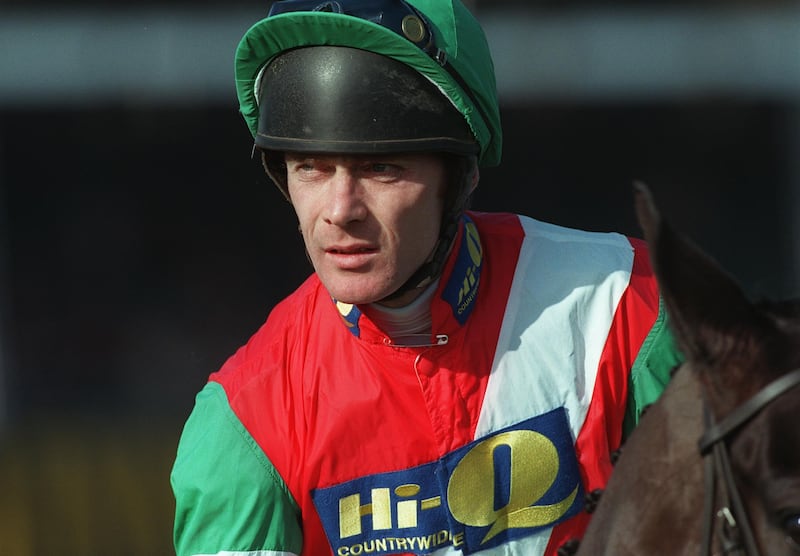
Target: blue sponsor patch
462 288
509 485
350 316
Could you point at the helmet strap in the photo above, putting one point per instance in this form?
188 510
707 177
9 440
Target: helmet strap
456 202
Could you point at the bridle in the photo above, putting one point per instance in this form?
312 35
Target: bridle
733 527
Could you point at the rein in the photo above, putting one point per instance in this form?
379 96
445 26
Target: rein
736 533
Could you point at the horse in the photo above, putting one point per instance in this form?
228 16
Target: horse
714 465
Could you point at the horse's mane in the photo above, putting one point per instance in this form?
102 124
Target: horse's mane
786 314
789 308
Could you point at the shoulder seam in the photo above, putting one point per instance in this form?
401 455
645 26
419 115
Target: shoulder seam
261 457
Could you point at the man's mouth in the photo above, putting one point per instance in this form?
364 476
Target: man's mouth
351 257
350 250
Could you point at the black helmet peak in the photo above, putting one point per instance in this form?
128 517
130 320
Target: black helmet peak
346 100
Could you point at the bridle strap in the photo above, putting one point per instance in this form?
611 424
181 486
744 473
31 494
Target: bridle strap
731 521
736 535
739 416
736 528
710 496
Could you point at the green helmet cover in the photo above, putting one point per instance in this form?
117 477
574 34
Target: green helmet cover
456 31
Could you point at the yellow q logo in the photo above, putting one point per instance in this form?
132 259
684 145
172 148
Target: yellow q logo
534 468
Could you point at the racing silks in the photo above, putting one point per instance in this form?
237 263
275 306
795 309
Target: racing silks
321 435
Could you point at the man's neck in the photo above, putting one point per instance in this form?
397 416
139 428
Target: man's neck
411 318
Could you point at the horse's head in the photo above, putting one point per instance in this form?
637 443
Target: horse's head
735 345
657 501
737 348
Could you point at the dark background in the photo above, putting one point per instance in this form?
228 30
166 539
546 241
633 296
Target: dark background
140 246
136 266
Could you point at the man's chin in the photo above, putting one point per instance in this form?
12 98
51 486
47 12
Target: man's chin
357 298
358 290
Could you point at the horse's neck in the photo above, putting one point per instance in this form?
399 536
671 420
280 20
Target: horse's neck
658 476
662 455
678 416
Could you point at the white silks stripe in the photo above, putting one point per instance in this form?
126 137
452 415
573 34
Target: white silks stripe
566 288
532 545
249 553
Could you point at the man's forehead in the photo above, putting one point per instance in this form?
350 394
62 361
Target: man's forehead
347 159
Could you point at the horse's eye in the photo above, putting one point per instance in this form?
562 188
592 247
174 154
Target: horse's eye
791 525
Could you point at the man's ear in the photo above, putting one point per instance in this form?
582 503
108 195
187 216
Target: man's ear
472 174
475 178
275 167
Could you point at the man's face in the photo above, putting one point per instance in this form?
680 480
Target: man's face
368 221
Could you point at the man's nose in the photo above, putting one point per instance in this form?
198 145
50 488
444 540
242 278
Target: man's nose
345 203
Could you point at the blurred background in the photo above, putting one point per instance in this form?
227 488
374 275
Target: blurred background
140 245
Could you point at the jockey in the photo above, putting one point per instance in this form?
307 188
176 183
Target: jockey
446 381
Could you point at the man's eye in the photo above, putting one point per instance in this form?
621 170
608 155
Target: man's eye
382 169
304 168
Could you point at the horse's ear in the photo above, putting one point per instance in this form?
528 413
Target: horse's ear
707 308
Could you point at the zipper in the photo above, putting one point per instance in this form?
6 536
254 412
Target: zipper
417 340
